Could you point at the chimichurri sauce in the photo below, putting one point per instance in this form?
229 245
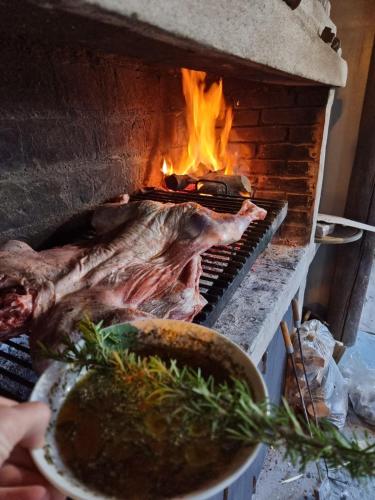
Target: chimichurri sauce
125 452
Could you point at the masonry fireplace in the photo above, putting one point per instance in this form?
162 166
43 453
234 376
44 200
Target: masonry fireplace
84 122
92 107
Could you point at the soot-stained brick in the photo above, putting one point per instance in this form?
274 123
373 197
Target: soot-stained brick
291 116
286 152
258 134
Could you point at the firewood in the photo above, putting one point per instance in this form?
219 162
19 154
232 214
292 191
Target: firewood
212 183
338 351
236 184
321 409
178 182
311 362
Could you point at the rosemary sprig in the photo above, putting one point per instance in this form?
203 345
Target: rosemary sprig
97 345
199 404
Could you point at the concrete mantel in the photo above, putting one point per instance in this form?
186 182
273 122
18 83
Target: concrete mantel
253 314
263 34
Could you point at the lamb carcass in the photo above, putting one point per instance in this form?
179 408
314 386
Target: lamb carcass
146 260
147 263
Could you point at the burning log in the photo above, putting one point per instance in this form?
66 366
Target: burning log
211 183
179 182
224 184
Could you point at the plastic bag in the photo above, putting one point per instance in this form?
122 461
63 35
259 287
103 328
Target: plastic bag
317 347
328 387
335 395
361 386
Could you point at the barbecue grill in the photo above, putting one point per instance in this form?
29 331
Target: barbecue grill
223 270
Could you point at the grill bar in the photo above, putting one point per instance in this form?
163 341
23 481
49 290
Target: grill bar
223 270
17 377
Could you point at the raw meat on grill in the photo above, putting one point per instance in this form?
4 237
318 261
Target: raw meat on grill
27 282
146 260
147 263
181 300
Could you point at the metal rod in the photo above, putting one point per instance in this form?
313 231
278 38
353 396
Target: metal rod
297 325
290 352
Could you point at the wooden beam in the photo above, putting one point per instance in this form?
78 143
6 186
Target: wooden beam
354 260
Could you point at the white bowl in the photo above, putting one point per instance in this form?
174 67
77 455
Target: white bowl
58 379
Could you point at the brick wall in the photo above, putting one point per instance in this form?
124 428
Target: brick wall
75 129
78 127
277 137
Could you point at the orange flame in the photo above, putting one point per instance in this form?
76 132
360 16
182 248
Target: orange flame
167 169
205 151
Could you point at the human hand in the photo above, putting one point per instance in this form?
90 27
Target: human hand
22 428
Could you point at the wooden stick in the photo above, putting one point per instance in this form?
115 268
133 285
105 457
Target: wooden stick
296 316
235 183
287 340
179 182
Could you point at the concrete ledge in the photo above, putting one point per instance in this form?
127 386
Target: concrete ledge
252 316
263 32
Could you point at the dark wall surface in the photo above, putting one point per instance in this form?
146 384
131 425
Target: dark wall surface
76 128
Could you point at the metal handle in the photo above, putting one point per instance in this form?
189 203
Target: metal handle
296 315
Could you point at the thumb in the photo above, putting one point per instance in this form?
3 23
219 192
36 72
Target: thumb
23 424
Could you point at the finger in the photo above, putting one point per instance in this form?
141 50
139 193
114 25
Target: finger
7 402
21 457
25 493
23 424
12 475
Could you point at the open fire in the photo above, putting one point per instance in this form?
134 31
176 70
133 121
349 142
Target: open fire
205 110
205 164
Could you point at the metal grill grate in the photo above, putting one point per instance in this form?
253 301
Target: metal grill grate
17 377
223 270
225 267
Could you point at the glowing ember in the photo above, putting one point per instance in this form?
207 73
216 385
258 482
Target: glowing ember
205 107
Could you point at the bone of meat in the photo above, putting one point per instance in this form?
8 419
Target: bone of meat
146 260
27 282
23 273
16 306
